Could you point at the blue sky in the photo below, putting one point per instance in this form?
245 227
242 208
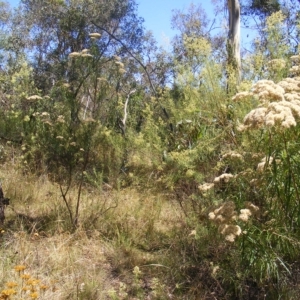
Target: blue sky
157 15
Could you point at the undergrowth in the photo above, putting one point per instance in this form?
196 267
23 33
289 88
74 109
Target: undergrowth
192 193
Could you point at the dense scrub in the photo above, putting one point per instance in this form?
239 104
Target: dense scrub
126 186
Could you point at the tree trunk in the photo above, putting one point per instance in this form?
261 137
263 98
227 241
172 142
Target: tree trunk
234 56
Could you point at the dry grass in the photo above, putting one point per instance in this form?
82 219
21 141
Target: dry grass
100 256
71 265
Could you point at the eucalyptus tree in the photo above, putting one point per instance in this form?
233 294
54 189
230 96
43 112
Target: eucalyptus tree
233 47
61 27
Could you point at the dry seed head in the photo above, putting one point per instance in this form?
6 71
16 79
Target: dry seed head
295 70
60 119
264 161
244 217
34 98
74 54
295 58
253 208
267 90
290 84
281 113
193 233
230 238
224 214
292 97
206 187
118 63
255 118
223 178
122 71
220 219
211 216
95 35
215 270
45 114
230 231
222 228
233 154
116 57
228 209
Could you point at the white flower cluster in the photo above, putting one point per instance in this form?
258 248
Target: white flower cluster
119 64
223 178
34 98
95 35
226 214
247 212
295 70
223 216
206 187
267 90
83 53
60 119
230 231
279 102
233 155
264 163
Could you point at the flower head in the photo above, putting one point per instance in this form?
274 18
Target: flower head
20 268
34 98
34 295
206 187
95 35
223 178
74 54
11 284
8 292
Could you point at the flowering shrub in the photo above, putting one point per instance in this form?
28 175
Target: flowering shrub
271 132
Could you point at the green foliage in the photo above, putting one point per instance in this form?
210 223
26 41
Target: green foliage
91 114
264 7
270 59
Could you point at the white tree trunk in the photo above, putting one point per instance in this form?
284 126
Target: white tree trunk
234 55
